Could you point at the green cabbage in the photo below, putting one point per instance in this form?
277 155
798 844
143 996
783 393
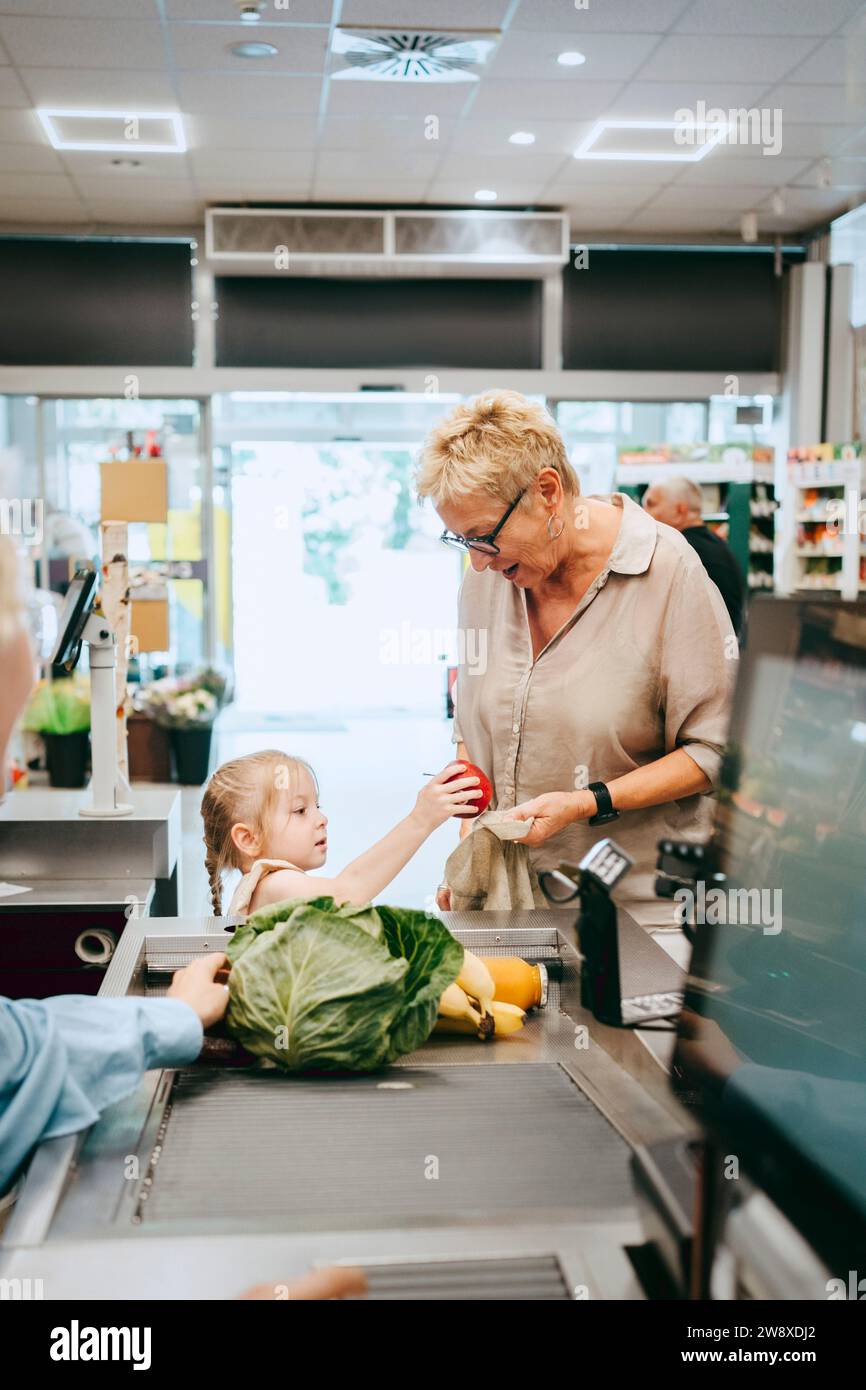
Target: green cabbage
314 986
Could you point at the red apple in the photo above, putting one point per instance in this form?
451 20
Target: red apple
481 795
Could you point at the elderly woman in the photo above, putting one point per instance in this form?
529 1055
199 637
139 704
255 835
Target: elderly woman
602 706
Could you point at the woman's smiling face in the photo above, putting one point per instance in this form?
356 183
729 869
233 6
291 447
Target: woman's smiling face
526 553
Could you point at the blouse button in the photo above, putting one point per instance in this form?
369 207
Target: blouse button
515 728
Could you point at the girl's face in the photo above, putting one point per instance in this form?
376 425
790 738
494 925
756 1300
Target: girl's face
298 828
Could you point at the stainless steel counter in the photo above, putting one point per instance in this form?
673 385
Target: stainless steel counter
514 1153
42 837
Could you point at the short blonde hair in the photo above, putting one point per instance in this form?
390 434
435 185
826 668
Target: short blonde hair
496 444
245 789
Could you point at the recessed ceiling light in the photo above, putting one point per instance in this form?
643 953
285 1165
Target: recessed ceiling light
127 125
522 137
714 132
485 195
253 50
571 60
249 11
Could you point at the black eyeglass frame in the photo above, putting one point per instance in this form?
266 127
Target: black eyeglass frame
486 545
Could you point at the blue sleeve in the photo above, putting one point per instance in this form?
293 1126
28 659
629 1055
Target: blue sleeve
63 1060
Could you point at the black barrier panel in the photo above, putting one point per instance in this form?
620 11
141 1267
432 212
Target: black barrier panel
95 303
269 322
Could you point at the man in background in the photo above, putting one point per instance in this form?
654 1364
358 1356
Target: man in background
678 502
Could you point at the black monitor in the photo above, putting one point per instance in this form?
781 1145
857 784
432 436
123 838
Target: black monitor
77 606
771 1049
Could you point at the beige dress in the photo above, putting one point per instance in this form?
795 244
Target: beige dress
645 665
243 894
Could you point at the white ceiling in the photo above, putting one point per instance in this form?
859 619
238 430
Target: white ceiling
280 130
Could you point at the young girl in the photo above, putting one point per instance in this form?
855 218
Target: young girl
261 815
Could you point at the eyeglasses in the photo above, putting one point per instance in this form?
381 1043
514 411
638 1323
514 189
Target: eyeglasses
485 544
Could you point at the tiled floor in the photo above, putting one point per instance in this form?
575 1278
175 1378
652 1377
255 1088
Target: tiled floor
369 773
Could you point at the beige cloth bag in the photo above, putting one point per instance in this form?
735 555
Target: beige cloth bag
490 868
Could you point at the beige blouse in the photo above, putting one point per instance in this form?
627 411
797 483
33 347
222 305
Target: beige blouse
645 664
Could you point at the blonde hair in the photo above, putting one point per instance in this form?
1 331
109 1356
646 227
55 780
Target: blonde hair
245 789
496 444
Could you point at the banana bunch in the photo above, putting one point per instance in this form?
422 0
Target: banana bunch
468 1006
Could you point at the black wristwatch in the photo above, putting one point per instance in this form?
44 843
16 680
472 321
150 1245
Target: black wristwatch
604 806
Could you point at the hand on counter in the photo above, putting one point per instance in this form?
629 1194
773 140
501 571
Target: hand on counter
198 986
551 813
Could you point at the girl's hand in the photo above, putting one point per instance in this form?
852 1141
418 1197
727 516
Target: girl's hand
443 897
552 813
441 798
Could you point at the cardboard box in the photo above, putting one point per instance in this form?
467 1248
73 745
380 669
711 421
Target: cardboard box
149 625
134 490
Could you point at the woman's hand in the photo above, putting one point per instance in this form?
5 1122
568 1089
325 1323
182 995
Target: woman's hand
551 813
442 798
443 897
197 985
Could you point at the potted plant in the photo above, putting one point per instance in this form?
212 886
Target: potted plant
59 710
187 707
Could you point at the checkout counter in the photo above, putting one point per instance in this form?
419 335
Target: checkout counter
467 1169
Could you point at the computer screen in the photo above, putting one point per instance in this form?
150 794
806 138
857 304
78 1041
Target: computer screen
76 609
772 1040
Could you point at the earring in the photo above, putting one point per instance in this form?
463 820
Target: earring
561 527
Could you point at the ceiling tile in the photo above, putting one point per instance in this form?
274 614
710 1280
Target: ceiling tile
36 186
228 191
597 196
252 166
206 47
826 104
462 192
608 56
86 87
387 132
551 137
148 214
421 14
414 166
85 9
522 100
399 99
734 59
662 221
29 159
836 60
259 95
384 194
632 16
21 127
12 92
114 190
97 164
218 12
205 131
50 210
802 141
461 163
83 43
660 101
731 167
766 16
602 171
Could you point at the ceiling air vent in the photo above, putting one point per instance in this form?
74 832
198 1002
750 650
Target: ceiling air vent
319 241
371 54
